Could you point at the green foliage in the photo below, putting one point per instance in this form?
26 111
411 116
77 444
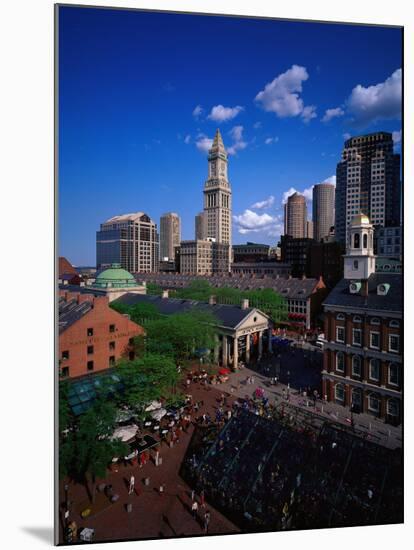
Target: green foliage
139 313
64 409
88 448
146 379
180 335
154 289
267 300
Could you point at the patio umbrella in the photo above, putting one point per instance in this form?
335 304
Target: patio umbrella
158 414
224 371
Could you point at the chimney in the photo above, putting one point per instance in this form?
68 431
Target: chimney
212 300
245 303
165 293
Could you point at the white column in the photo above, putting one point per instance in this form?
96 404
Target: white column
260 343
225 351
247 348
236 352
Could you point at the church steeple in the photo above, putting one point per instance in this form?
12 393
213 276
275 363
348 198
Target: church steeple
359 260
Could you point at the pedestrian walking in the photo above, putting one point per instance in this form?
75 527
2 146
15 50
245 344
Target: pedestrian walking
206 521
157 458
131 485
194 509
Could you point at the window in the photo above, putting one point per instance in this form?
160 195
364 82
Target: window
374 369
131 341
356 336
340 361
111 345
111 328
375 321
373 403
340 334
90 350
355 264
394 324
90 365
394 343
356 397
340 393
356 240
374 340
65 372
340 317
65 354
89 331
356 365
365 240
393 374
393 407
112 360
357 319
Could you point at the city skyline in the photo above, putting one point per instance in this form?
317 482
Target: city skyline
139 144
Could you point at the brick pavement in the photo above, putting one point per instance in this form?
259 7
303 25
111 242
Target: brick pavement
152 515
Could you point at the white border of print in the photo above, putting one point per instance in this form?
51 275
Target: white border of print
26 41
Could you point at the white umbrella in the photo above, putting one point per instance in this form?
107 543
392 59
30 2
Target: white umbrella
125 433
158 414
154 406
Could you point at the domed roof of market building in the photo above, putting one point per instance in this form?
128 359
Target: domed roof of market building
115 277
360 219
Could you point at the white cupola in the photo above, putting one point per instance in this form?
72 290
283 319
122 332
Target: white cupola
359 260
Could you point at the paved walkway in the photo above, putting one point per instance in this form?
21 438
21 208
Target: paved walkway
364 424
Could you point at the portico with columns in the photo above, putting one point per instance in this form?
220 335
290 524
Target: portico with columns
238 343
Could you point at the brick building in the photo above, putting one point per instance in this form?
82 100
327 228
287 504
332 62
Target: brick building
92 336
363 367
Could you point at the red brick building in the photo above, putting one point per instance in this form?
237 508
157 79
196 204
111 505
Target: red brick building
363 367
92 336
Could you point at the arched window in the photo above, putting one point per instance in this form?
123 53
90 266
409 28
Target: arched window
357 319
356 240
374 403
356 365
356 397
355 264
393 374
394 324
340 361
340 317
340 393
374 369
393 407
365 240
375 321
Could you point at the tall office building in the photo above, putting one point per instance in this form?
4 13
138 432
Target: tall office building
130 240
323 207
368 181
310 229
217 196
296 216
200 226
170 235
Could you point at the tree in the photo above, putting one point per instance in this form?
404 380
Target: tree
93 448
181 334
146 379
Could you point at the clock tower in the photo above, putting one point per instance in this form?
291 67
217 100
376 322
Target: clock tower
217 195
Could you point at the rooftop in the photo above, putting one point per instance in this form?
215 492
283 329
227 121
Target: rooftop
392 301
71 311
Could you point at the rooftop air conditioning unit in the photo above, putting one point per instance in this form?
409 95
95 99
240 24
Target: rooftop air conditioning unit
354 287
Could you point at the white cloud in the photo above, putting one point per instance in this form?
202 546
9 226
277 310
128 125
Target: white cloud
270 140
378 102
308 113
238 144
332 113
264 204
346 136
251 222
396 137
197 111
331 179
204 143
307 193
257 125
219 113
281 96
187 139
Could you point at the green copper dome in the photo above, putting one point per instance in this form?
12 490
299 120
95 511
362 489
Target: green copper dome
115 277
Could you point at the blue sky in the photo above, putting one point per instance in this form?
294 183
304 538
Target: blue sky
141 94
